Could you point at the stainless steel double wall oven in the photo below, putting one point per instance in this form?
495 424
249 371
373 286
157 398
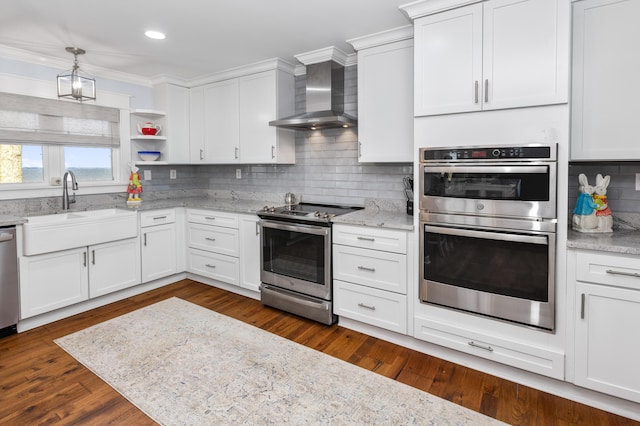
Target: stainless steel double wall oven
488 231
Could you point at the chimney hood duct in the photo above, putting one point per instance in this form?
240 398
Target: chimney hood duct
325 101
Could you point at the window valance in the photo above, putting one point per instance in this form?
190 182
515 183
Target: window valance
34 120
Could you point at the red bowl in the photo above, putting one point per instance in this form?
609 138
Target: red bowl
149 131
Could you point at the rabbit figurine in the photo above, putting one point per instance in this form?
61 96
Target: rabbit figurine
584 214
603 212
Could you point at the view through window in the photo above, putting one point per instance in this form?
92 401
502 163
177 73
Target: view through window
21 164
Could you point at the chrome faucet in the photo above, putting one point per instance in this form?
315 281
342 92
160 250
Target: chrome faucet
65 193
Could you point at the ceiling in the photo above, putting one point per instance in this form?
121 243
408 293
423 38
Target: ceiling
203 36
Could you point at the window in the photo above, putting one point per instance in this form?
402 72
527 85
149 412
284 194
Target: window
40 138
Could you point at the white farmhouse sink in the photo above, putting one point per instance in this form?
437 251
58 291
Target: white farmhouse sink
55 232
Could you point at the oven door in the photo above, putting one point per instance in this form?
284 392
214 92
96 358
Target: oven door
503 273
296 257
495 189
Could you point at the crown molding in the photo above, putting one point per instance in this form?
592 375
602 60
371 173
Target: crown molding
420 8
330 53
267 65
382 37
61 64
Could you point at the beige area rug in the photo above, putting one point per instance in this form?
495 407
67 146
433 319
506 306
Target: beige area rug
183 364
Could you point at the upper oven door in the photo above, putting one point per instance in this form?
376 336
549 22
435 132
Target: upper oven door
296 257
522 190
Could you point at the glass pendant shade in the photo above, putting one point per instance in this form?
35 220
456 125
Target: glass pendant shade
73 85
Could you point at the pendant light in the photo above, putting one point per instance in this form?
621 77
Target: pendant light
72 84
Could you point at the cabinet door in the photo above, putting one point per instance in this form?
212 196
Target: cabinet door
158 251
196 125
250 252
525 53
448 61
605 89
174 100
113 266
54 280
385 103
606 343
257 107
221 122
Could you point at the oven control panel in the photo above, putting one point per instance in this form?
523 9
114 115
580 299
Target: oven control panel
517 153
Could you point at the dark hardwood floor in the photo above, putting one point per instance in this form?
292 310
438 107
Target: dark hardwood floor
42 384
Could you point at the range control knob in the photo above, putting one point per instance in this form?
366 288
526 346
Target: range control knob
495 152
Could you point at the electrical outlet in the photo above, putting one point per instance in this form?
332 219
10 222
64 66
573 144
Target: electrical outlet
238 173
172 174
55 181
637 181
147 175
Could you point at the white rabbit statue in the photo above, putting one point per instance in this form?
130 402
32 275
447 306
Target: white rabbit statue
584 214
603 212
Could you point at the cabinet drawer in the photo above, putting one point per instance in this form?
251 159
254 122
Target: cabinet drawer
213 238
157 217
371 238
373 268
208 217
376 307
528 357
600 268
214 265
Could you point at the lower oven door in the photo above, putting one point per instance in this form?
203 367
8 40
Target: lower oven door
296 257
501 273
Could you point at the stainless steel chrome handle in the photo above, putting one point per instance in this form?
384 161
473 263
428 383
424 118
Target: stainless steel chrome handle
498 236
359 149
582 300
159 217
479 346
93 257
257 229
362 305
202 154
626 274
210 217
237 149
477 99
84 259
209 239
6 237
366 239
210 266
486 90
145 239
498 168
273 152
365 268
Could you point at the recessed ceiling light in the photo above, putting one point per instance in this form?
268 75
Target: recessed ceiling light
156 35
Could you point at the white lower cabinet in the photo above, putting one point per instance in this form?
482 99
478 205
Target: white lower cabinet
213 245
158 247
607 314
55 280
249 252
370 276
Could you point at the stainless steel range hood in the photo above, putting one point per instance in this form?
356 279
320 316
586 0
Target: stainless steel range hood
325 100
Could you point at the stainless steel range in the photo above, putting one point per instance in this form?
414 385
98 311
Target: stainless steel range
295 255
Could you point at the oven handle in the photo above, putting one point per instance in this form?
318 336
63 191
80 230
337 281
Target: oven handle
461 232
502 169
305 229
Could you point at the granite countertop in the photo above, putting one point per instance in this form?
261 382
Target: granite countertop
378 218
623 241
372 215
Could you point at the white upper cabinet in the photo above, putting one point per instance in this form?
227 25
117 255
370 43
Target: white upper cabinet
385 96
605 89
230 120
492 55
174 100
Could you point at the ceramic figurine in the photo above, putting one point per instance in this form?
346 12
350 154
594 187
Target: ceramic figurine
134 188
591 201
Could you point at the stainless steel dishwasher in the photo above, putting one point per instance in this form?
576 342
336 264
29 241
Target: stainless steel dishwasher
8 281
